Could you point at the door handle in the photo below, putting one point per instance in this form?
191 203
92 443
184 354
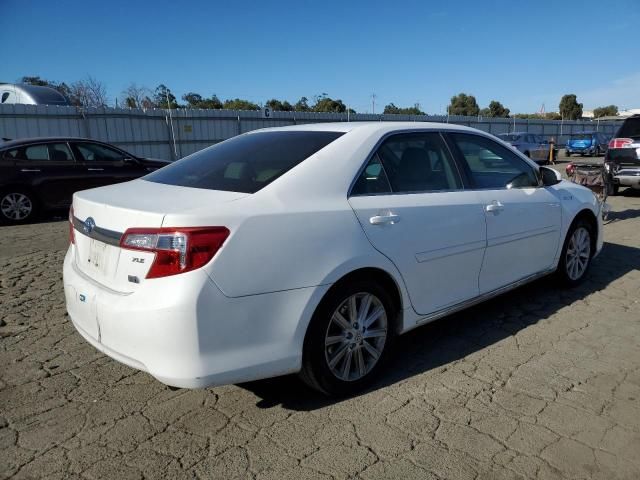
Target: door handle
495 207
95 169
391 219
30 170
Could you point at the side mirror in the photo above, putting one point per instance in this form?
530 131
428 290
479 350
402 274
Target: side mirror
550 176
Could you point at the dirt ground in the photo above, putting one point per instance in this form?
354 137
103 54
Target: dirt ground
538 383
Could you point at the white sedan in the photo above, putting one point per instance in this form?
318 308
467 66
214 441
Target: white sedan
309 248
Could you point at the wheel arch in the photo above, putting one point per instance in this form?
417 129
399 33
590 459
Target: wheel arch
590 218
379 275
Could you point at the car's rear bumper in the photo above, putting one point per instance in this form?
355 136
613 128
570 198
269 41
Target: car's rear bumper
580 149
183 331
627 180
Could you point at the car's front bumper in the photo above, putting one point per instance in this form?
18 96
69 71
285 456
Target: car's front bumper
186 333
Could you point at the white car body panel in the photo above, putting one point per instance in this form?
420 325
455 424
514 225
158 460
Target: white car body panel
244 315
440 265
522 236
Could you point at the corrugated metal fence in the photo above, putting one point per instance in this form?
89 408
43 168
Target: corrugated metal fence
155 133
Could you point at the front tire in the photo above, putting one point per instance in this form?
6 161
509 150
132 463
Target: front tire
17 206
349 338
577 253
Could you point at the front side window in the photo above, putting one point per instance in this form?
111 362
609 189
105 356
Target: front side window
491 165
413 162
245 163
92 152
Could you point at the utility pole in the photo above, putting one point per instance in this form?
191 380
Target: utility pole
373 103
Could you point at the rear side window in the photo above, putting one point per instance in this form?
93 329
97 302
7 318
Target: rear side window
92 152
409 163
32 152
59 152
630 128
245 163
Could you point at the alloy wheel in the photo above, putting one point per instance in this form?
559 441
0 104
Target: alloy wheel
578 253
356 336
16 206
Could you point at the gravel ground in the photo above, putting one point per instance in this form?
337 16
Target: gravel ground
538 383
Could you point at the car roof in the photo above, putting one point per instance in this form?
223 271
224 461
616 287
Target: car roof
371 127
27 141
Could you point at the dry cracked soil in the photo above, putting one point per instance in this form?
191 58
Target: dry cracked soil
540 383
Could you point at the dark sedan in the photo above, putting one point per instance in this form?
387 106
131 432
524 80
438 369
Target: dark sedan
41 174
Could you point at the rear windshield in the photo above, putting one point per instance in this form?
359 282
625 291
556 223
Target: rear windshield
507 137
582 136
245 163
630 128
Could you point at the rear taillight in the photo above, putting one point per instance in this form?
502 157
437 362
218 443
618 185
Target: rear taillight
177 250
621 143
72 234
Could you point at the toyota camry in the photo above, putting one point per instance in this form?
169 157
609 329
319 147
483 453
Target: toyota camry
310 248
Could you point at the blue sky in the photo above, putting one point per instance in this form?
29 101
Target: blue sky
522 53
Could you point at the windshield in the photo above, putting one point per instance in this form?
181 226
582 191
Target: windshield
509 137
630 128
245 163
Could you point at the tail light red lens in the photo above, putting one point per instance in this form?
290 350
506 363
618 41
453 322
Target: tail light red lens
621 143
177 250
72 234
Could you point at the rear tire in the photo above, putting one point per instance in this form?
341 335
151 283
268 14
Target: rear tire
349 338
577 253
17 206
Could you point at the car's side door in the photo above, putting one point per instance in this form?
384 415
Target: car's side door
411 202
49 169
523 218
104 165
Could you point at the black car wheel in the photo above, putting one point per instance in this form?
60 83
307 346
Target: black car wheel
17 206
349 338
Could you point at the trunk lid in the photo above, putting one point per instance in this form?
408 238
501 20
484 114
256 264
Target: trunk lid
103 214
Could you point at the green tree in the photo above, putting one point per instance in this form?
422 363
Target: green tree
302 105
328 104
608 111
495 109
393 110
163 98
239 104
277 105
569 107
195 100
463 104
